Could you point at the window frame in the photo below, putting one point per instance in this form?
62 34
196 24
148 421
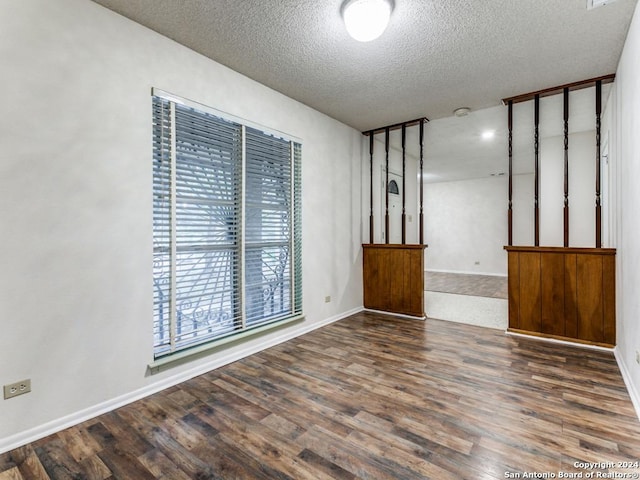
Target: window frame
167 355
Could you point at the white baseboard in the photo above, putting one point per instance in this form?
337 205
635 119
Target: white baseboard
538 338
461 272
401 315
41 431
633 393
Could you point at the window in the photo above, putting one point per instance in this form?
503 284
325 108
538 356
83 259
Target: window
393 187
226 226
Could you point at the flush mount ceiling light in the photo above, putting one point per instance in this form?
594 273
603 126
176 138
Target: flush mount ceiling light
366 19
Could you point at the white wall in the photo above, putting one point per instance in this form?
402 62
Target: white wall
465 223
523 213
582 161
626 158
75 207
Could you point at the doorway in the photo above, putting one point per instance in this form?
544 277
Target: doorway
395 206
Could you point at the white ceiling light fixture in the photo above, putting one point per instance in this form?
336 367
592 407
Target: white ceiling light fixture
366 20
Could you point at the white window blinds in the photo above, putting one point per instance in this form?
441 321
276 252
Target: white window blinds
226 225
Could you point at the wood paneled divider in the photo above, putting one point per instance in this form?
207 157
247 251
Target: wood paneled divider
393 274
394 278
565 293
561 292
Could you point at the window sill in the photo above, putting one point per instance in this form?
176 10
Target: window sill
178 358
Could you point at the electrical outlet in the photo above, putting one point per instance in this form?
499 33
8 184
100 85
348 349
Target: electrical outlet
18 388
327 299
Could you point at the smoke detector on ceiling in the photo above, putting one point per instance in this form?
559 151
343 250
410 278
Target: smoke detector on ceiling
462 111
591 4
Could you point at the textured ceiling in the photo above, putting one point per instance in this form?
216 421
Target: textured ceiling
435 56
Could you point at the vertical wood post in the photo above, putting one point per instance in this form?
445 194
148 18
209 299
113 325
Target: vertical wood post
404 216
510 209
566 166
386 185
598 165
421 234
371 238
536 149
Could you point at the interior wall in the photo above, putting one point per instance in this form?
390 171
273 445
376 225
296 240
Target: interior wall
625 143
523 218
76 212
466 221
466 226
582 162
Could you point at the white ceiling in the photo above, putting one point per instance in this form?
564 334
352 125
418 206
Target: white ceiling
435 56
455 150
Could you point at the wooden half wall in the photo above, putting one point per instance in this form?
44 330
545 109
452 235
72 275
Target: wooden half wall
394 278
563 293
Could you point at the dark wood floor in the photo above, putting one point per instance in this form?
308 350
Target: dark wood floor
368 397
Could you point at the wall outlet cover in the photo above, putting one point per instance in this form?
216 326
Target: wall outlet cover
17 388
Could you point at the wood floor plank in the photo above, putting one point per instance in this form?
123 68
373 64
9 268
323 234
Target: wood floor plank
123 464
58 462
11 474
327 467
232 462
350 457
28 463
96 469
79 443
372 397
161 467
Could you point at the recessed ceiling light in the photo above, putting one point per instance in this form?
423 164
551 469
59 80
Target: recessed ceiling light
488 134
462 111
366 20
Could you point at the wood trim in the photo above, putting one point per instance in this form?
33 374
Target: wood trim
510 208
403 218
555 90
371 230
536 173
396 126
566 166
386 186
391 246
421 222
583 250
598 165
